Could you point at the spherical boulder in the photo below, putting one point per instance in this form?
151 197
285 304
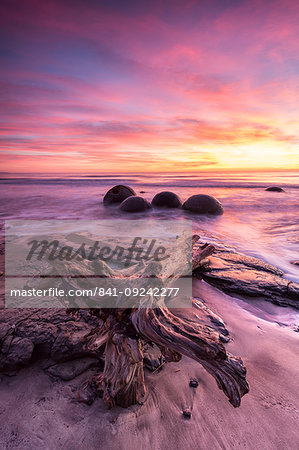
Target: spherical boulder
134 204
118 194
203 204
166 199
274 189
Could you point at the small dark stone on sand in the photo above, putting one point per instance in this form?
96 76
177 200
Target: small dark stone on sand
187 413
193 383
86 396
141 192
274 189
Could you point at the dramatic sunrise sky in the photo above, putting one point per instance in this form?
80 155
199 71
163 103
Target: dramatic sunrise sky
142 86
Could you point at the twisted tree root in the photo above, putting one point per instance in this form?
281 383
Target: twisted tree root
190 332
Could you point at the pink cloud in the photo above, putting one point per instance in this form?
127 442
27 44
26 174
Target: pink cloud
81 81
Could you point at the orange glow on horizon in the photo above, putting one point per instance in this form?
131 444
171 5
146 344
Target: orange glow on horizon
187 87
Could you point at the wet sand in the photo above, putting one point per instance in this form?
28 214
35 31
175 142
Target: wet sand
39 412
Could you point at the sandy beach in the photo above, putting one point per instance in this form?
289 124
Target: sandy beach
37 411
149 163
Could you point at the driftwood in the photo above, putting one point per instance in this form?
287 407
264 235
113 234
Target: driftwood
199 254
124 335
191 332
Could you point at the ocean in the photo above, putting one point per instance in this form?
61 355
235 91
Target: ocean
256 222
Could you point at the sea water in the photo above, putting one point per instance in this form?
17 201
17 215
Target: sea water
257 222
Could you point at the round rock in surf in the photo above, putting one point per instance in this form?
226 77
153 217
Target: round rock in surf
274 189
203 204
134 204
166 199
118 194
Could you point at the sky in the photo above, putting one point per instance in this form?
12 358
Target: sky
149 86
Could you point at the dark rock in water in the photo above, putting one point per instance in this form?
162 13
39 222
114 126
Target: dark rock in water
224 259
203 204
193 383
70 369
134 204
235 273
295 263
274 189
166 199
118 194
187 413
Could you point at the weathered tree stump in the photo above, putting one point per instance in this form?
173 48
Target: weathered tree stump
122 334
190 332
